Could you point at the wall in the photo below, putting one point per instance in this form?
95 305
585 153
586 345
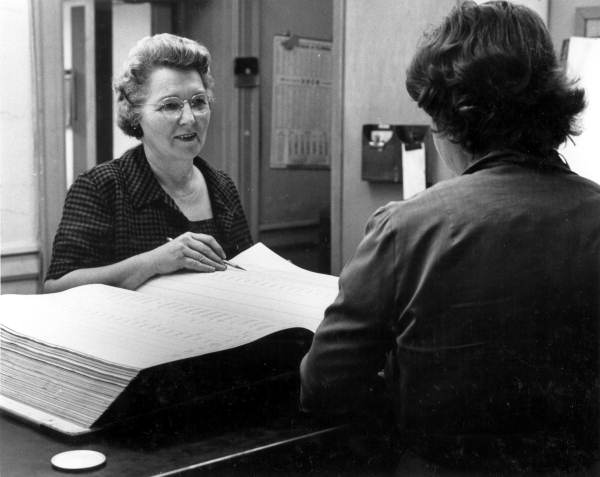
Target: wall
130 24
377 93
379 38
581 153
19 181
539 6
214 24
583 64
561 21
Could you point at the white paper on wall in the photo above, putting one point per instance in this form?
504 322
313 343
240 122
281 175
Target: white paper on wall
413 170
583 63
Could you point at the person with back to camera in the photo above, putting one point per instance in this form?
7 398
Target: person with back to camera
479 297
158 208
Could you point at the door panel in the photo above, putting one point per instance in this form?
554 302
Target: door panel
294 203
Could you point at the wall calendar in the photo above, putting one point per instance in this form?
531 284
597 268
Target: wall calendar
301 106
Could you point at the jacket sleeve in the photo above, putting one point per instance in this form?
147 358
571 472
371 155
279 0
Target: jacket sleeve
339 373
85 234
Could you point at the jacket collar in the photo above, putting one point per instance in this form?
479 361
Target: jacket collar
491 159
143 186
145 189
220 196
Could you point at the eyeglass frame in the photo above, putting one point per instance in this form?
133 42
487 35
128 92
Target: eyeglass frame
177 116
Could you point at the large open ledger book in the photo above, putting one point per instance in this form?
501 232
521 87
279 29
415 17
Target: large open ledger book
80 359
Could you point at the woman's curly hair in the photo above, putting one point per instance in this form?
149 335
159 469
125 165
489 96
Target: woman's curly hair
489 78
149 53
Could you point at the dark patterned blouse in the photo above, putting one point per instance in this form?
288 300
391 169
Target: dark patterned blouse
118 209
207 227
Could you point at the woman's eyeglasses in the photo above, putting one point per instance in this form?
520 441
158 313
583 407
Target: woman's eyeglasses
172 108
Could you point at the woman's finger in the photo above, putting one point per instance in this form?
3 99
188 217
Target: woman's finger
195 255
204 248
210 242
197 266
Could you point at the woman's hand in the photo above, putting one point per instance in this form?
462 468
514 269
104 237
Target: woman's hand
197 252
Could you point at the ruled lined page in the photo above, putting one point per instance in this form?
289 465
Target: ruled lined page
175 316
67 356
270 289
135 330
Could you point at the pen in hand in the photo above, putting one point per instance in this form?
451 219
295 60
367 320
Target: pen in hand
226 262
233 265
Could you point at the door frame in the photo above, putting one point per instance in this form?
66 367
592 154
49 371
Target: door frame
248 109
81 164
49 119
337 135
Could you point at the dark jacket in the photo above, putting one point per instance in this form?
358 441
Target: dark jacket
118 209
481 298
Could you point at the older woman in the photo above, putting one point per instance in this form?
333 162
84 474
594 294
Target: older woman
481 295
158 208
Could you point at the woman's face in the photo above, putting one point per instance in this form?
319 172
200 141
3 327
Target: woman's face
168 136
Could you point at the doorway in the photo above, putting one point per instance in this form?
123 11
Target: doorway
295 201
87 56
287 207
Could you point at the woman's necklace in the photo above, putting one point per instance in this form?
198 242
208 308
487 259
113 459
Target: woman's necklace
193 199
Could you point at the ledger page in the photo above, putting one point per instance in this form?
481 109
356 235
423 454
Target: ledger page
130 329
175 316
270 288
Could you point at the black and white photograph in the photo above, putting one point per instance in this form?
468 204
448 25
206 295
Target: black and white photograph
336 238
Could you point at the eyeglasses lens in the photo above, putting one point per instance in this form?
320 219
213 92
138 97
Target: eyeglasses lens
173 108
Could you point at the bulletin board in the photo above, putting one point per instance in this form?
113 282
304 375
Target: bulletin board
301 103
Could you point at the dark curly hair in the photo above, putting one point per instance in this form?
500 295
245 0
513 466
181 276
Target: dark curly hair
489 78
149 53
